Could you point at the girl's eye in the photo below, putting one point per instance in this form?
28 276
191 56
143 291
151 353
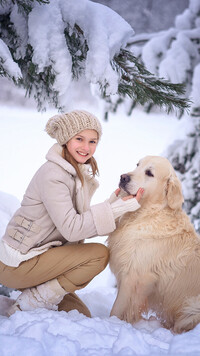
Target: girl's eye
149 173
93 142
79 138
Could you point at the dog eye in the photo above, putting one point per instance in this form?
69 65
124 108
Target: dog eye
137 164
149 173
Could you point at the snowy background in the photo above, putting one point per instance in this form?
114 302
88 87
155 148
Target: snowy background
23 145
126 139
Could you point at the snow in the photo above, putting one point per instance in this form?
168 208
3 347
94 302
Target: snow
46 35
60 333
135 133
23 145
10 66
173 69
195 6
21 30
174 53
105 31
195 93
8 205
147 16
195 210
184 20
154 50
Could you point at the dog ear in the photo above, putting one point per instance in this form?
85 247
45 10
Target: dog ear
174 193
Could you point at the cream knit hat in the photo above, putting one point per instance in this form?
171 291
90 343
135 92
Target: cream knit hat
64 126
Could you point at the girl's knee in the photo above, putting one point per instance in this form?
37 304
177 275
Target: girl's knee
102 254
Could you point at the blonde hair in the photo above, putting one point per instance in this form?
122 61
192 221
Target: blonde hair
68 157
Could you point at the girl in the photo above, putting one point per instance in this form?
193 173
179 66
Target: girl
41 253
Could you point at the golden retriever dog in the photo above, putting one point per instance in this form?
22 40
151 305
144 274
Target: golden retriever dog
155 251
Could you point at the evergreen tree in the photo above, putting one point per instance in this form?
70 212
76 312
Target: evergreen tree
45 45
175 55
185 158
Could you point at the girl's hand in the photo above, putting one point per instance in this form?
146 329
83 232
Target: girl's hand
138 196
117 191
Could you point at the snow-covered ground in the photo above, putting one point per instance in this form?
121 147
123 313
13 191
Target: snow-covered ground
23 145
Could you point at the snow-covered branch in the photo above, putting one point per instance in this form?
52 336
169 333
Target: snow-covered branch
56 42
7 65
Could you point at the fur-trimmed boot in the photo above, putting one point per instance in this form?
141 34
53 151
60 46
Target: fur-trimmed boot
47 295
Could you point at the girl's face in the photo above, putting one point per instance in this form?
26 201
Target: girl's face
83 145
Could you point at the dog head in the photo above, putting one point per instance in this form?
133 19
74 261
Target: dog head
156 175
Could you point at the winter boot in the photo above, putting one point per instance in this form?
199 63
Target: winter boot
47 295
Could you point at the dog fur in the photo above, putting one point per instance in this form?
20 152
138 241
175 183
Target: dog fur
155 251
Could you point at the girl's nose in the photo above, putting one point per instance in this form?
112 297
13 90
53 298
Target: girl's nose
85 146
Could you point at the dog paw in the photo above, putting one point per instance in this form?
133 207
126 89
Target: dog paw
130 317
181 327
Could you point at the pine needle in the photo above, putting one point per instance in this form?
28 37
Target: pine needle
142 86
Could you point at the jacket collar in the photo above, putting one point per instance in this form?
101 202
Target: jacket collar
55 155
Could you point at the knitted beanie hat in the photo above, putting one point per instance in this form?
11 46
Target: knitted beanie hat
64 126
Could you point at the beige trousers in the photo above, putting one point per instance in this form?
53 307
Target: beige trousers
74 266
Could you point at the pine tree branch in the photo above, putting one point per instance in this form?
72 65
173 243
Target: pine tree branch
25 5
40 84
134 79
142 86
78 48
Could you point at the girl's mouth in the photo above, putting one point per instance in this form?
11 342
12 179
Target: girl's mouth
82 154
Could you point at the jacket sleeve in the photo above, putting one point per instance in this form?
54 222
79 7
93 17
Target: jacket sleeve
56 196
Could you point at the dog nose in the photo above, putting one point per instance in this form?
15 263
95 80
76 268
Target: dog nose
125 178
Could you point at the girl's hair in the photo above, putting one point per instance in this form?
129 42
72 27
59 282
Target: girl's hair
68 157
